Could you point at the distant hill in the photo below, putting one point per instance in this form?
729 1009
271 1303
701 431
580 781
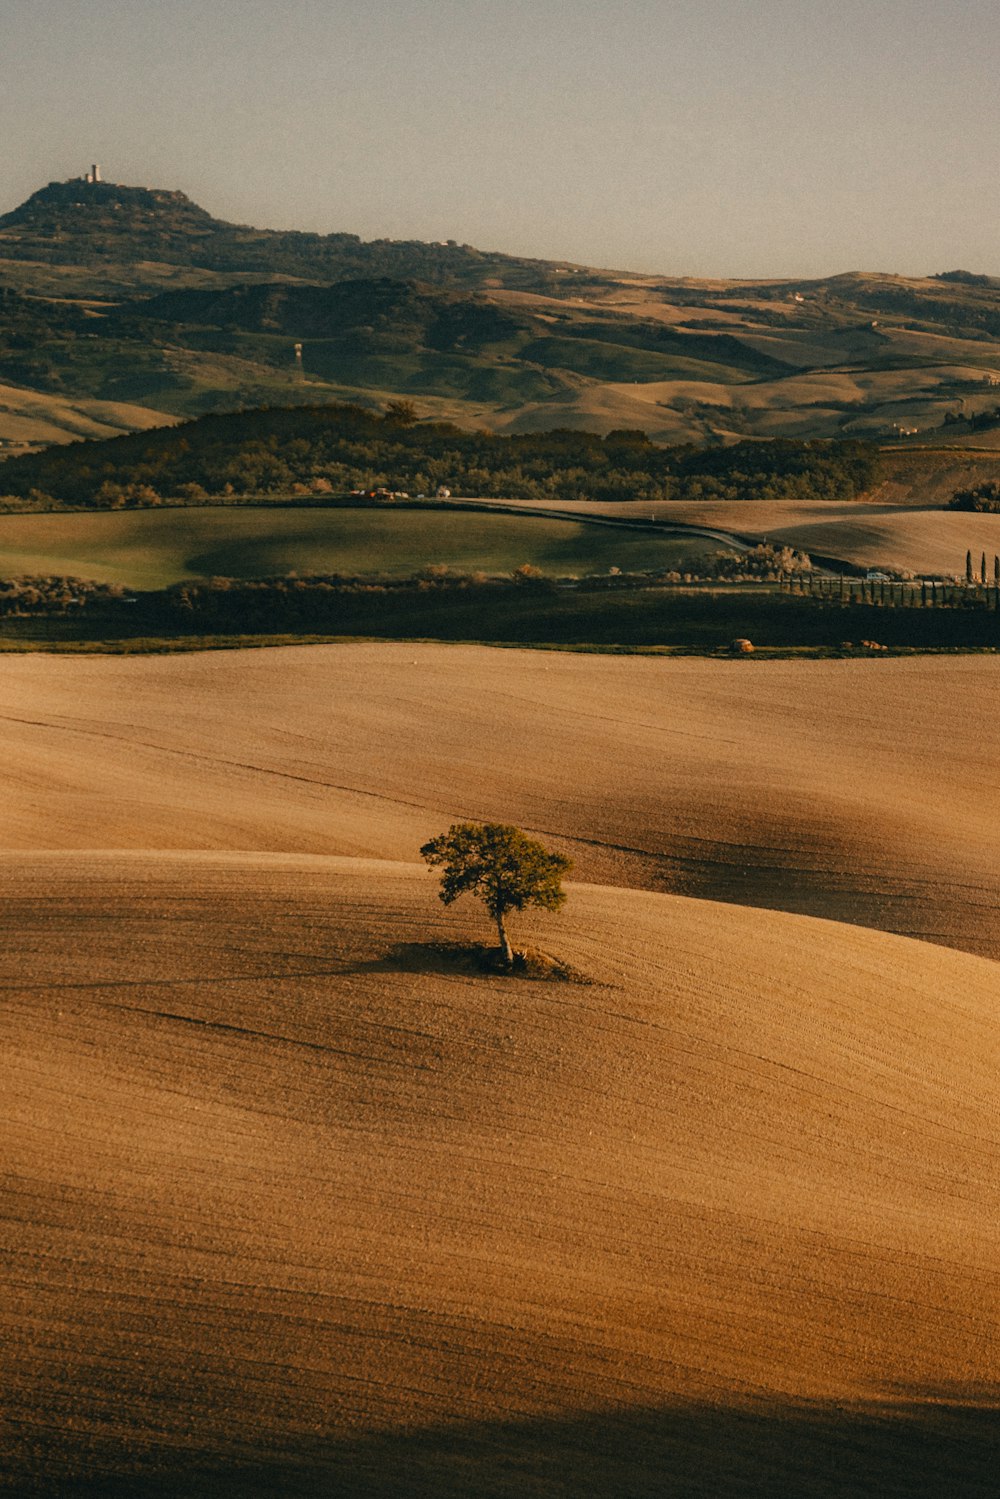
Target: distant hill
31 416
373 305
84 224
138 296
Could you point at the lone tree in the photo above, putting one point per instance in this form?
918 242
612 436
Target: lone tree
500 865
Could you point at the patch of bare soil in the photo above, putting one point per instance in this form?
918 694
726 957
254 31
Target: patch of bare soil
282 1216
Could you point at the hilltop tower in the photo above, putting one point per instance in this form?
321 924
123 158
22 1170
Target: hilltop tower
94 175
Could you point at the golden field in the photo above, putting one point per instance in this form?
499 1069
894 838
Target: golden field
300 1202
34 418
859 790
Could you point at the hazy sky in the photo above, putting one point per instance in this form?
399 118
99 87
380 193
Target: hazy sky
698 137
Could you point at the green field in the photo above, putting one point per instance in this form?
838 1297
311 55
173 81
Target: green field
150 549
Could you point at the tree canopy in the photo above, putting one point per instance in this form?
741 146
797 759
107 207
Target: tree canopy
501 866
316 450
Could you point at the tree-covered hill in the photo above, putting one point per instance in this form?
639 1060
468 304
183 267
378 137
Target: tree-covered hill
383 305
337 448
92 223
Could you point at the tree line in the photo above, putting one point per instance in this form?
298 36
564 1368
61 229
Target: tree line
982 498
338 448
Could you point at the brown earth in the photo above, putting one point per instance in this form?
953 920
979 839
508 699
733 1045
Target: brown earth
33 418
298 1204
298 1201
861 790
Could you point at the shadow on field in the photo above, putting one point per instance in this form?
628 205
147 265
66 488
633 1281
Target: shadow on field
915 1449
431 957
473 960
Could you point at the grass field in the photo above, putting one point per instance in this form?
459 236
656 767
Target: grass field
153 548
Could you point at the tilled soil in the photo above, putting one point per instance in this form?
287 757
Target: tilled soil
860 790
296 1203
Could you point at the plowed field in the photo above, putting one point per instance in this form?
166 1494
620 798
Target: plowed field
300 1201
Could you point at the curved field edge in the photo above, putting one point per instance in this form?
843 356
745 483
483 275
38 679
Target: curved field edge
858 789
292 1192
153 548
913 534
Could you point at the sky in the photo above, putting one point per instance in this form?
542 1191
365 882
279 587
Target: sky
685 137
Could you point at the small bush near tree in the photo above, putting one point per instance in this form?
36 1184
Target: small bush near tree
501 866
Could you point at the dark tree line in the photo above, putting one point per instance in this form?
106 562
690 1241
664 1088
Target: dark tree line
339 448
984 498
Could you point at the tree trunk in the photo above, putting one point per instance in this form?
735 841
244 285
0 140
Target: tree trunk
505 947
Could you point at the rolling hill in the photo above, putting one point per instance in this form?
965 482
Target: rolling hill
925 539
32 417
303 1204
139 295
154 548
298 1200
760 783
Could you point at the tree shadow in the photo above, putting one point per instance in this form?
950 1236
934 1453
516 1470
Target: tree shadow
473 959
914 1449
